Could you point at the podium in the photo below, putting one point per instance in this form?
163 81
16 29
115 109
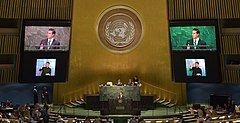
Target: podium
112 92
111 105
115 107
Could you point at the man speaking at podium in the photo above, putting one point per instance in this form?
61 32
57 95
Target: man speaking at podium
50 42
120 97
196 42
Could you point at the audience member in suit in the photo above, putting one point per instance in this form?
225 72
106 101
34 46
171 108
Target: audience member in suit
196 42
45 115
231 107
196 71
141 120
75 120
225 107
219 108
97 120
35 95
59 119
1 115
87 120
208 118
50 42
8 104
46 107
44 95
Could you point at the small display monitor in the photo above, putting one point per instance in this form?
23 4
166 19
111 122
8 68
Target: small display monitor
45 67
195 67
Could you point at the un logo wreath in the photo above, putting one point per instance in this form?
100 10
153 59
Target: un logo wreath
119 29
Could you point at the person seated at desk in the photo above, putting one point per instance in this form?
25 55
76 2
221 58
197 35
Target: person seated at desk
59 119
119 83
135 80
130 82
7 104
219 108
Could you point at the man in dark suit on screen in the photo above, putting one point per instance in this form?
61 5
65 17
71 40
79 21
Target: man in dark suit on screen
50 42
196 42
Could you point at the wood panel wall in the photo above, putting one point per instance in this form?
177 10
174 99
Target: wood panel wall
36 9
9 44
230 45
203 9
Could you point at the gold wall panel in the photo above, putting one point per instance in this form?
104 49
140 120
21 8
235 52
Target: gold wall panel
230 45
203 9
60 9
36 9
47 9
91 64
10 44
10 8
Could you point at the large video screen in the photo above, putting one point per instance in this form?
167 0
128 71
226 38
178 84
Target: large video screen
47 36
194 51
53 38
200 36
45 46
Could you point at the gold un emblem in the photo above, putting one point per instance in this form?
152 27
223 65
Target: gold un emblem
119 29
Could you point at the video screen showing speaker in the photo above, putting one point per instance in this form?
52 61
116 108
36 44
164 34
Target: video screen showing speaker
193 35
194 51
45 49
46 36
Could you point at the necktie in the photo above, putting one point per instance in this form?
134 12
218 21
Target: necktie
195 44
49 41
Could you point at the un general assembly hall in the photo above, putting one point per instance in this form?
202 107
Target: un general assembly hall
119 61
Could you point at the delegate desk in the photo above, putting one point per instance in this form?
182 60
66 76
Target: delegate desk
112 92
